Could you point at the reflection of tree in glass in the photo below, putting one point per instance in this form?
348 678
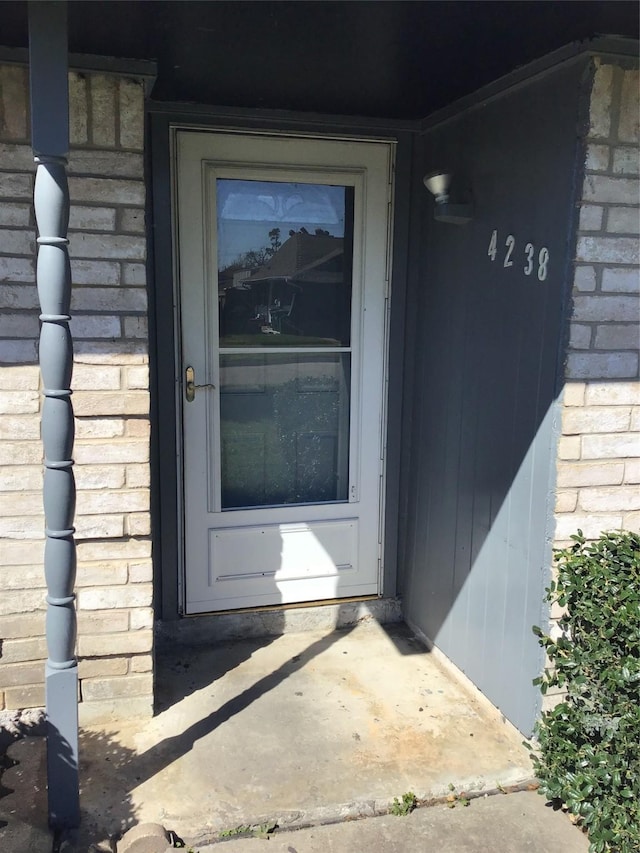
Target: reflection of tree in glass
274 237
255 258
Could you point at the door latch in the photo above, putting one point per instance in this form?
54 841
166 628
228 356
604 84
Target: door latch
190 384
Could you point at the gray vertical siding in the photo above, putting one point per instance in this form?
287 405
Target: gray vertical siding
484 346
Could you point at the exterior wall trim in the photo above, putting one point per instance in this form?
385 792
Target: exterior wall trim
140 68
279 120
605 48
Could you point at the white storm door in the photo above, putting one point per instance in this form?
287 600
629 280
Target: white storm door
282 247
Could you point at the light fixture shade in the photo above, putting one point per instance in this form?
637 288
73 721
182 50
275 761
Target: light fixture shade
438 183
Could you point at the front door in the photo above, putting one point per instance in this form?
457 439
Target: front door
282 247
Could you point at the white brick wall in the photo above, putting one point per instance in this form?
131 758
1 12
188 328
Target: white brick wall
111 400
600 435
599 449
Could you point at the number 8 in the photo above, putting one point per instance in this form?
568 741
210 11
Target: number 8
543 260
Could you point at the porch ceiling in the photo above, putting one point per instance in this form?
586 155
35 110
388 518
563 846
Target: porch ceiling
396 60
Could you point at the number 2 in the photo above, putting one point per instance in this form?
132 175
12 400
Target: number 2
510 243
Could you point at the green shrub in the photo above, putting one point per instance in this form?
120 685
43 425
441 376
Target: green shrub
589 744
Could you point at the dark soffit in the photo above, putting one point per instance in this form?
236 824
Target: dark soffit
397 60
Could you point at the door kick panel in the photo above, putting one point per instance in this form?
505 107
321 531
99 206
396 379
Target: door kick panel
283 551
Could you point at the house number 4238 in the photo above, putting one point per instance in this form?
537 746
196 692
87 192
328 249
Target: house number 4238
533 261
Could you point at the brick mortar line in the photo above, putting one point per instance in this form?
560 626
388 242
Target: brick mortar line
611 175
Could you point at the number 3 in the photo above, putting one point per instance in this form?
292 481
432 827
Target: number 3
530 252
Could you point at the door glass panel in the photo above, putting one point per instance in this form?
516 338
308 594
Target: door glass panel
284 428
284 263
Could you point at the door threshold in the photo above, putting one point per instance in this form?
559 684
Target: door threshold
274 620
296 605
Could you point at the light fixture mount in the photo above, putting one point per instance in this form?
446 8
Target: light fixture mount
438 184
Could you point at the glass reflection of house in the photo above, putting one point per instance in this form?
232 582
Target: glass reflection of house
232 277
301 291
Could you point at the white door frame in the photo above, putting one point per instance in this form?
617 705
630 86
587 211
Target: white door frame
356 413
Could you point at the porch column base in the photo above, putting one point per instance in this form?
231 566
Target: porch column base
61 687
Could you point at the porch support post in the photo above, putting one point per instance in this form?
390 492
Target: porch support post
48 61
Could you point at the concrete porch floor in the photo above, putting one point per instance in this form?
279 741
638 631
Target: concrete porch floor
299 728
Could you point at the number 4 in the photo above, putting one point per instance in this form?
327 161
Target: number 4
492 251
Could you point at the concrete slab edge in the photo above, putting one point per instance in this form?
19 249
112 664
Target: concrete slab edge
359 810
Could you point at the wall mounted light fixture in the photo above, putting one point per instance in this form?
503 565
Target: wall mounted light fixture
438 184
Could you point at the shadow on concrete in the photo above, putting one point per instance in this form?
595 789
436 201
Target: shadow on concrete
404 640
197 651
287 727
170 749
15 725
110 770
105 774
183 665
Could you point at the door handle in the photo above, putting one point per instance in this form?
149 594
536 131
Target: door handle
190 384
